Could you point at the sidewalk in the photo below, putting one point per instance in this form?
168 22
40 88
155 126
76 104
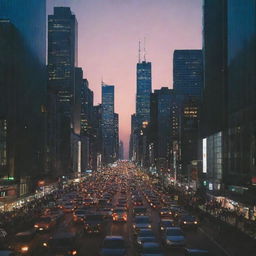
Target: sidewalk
232 221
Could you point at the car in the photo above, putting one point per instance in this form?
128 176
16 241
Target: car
119 215
8 253
23 242
79 215
188 221
63 243
107 212
165 212
93 223
141 222
67 207
166 223
145 235
45 223
196 252
113 246
174 237
151 249
139 211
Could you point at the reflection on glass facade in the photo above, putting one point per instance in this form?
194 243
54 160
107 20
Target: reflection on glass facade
3 145
144 87
188 72
29 17
214 160
241 155
23 85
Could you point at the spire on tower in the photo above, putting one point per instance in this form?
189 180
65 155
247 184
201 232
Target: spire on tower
144 49
139 53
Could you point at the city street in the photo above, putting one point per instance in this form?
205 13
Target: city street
120 185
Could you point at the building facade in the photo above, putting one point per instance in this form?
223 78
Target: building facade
23 92
62 60
108 124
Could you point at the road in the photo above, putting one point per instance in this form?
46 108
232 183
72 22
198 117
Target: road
90 245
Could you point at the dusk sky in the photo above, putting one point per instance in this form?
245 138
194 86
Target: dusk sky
108 36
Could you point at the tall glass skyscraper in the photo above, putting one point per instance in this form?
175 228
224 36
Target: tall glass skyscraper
62 86
108 123
144 88
241 91
29 17
188 72
23 85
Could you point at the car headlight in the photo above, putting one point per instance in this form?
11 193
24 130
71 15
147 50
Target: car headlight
24 248
139 242
195 222
35 226
184 222
134 226
168 242
149 226
45 244
162 228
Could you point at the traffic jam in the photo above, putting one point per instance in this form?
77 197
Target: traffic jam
115 212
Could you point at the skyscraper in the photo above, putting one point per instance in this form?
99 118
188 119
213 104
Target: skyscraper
62 60
144 87
29 17
23 90
214 104
188 72
161 124
108 123
241 92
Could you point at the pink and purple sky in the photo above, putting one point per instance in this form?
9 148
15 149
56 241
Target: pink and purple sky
108 36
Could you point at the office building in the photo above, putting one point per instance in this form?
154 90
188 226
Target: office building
108 124
188 72
23 92
62 60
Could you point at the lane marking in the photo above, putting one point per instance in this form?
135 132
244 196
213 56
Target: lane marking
214 241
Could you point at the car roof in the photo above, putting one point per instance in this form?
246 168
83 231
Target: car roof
114 238
151 245
6 253
197 250
173 228
63 235
25 233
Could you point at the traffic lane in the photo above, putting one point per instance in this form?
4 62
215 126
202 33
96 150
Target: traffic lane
194 239
125 229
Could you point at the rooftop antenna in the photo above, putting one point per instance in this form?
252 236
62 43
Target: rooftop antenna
144 49
102 83
139 53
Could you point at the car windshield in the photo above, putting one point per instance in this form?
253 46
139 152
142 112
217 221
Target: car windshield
152 250
79 212
114 244
174 232
138 210
45 220
24 238
62 242
94 217
188 218
142 220
146 233
119 210
167 223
